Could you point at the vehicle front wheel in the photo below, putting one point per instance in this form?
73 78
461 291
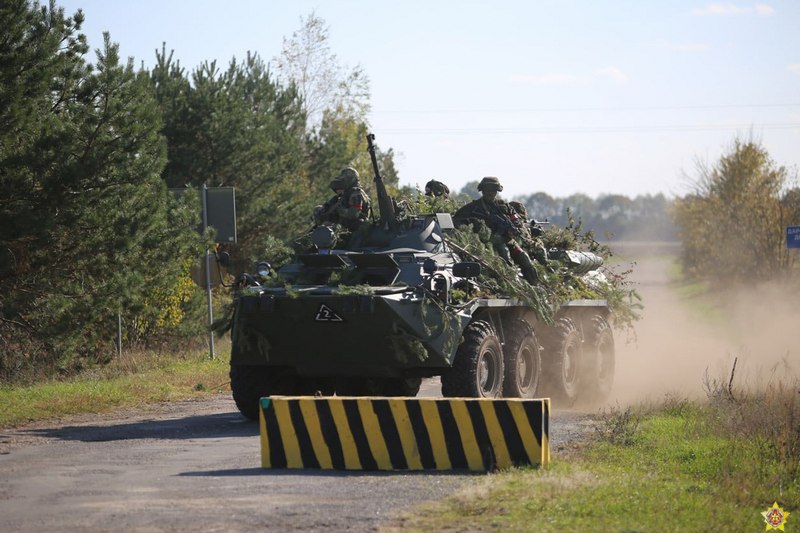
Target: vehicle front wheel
250 383
477 370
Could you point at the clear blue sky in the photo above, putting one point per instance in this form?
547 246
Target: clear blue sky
560 96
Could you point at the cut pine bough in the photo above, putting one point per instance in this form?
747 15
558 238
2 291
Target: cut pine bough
381 433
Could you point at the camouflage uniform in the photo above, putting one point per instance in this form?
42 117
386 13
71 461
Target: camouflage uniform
528 235
349 207
504 223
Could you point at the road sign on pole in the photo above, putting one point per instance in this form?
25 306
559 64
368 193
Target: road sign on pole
793 236
208 276
218 206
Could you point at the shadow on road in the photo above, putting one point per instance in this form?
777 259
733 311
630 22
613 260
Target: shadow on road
191 427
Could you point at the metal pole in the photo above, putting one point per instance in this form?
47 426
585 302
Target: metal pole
119 334
208 277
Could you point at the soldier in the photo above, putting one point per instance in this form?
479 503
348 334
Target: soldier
502 220
350 205
519 208
529 233
437 189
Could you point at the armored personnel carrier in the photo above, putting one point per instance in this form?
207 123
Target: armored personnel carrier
403 305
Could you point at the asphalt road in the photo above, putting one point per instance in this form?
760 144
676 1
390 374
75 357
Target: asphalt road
195 466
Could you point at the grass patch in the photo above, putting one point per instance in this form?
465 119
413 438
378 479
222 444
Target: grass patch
679 466
132 380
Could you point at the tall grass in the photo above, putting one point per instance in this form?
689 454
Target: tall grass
763 427
135 379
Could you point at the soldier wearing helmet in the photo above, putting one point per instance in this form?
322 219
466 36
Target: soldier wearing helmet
485 207
349 206
437 189
503 221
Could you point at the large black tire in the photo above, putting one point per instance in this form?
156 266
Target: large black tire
562 361
523 361
249 383
600 359
477 370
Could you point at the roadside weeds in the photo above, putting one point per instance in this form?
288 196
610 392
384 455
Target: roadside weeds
678 465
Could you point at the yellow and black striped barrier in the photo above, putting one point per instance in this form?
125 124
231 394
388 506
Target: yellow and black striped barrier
346 433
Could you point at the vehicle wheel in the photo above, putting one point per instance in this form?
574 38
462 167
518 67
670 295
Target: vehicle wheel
523 362
600 359
477 370
249 383
563 355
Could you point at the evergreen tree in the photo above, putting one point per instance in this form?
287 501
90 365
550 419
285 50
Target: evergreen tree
237 128
172 89
41 67
87 231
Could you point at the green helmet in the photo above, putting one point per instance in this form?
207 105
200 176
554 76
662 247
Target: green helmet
436 188
348 177
490 183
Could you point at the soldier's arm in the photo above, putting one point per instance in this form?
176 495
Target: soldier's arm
354 207
468 214
328 211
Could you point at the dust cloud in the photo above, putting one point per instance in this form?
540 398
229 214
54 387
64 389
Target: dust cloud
678 341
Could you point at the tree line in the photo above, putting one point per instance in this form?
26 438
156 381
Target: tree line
612 217
88 231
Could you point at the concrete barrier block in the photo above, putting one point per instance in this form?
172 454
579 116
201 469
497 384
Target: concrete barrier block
376 433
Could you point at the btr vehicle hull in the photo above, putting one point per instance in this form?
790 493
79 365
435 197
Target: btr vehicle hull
397 321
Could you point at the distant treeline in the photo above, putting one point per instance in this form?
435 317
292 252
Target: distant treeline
611 217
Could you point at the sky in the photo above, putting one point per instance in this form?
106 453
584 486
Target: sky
557 96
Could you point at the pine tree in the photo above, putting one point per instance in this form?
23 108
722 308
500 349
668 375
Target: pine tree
41 68
87 231
237 128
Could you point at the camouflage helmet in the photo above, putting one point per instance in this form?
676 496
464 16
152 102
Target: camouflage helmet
348 177
490 183
436 188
